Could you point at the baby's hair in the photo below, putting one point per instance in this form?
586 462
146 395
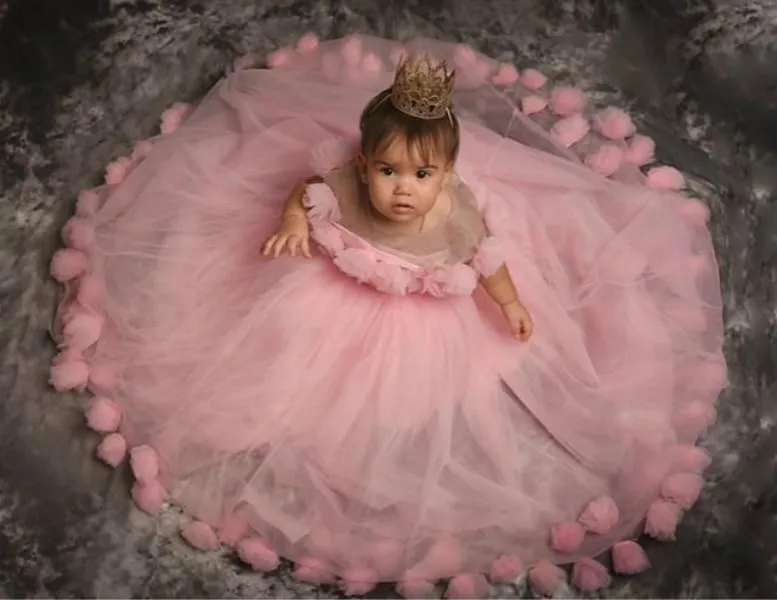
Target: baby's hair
381 123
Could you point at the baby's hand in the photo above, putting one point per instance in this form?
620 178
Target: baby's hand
293 234
519 319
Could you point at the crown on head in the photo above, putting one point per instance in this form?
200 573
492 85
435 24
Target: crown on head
423 87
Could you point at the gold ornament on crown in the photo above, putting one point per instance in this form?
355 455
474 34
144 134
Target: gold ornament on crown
423 87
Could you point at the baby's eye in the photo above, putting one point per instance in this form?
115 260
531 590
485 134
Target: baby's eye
422 174
387 170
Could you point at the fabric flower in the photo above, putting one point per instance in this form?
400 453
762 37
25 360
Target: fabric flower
614 123
328 237
391 279
459 280
322 203
489 257
356 262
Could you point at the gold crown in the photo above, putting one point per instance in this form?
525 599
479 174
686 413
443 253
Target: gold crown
423 87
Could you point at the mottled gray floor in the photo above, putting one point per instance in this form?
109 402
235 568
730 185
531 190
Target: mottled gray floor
81 79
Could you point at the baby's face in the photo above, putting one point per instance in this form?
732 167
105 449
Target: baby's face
403 187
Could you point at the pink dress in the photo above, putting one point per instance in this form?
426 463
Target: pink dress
365 413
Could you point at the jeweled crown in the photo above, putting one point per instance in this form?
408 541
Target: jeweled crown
423 87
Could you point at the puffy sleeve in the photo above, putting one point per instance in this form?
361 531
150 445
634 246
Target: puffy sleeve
489 254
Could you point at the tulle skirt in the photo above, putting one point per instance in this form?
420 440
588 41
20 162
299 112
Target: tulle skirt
378 437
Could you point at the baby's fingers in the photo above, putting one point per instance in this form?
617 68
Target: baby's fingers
305 244
268 244
279 245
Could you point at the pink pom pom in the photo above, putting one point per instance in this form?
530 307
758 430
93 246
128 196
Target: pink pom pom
307 43
416 588
467 585
545 578
662 519
117 171
641 150
570 130
372 63
279 58
566 537
665 178
89 291
82 331
144 464
112 449
628 558
87 203
386 557
489 257
505 569
352 51
613 123
103 415
533 104
589 575
682 488
691 459
258 553
200 535
69 372
693 419
533 79
149 497
600 515
141 150
441 561
173 117
606 160
67 264
358 581
78 233
245 61
566 101
694 210
397 54
464 55
505 75
312 570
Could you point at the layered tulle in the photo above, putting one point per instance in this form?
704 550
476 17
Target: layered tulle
381 435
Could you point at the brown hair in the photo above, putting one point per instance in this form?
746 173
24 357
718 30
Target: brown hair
381 123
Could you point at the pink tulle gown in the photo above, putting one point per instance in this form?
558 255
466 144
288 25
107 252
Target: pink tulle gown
365 413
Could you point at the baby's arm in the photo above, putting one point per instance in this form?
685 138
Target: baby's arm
293 231
502 290
295 206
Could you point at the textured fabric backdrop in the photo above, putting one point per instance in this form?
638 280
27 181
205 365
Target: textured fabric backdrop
81 79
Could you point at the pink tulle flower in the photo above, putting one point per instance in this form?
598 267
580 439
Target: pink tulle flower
464 55
173 117
391 279
144 464
566 101
328 237
358 581
103 415
506 568
352 51
489 257
467 586
691 459
372 63
117 171
505 75
566 537
416 588
87 203
600 515
533 104
459 280
613 123
307 43
682 488
628 558
141 150
694 210
641 150
112 449
78 233
89 291
280 58
694 418
570 130
149 497
386 556
606 160
258 553
662 520
322 203
200 535
589 575
545 578
665 178
313 570
533 79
